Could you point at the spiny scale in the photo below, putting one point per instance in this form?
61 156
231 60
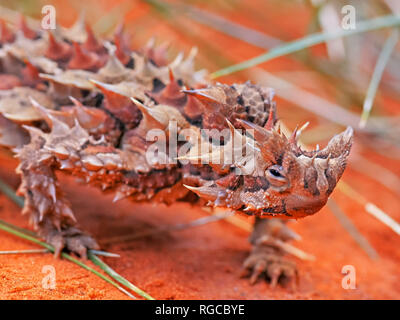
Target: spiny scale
73 102
88 105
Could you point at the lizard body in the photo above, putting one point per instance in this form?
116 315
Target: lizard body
130 122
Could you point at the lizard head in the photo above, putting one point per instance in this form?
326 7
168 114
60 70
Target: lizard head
281 179
291 181
277 178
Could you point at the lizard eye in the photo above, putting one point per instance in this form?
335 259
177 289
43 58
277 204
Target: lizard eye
275 176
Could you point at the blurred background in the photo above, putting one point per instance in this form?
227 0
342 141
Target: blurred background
336 74
332 85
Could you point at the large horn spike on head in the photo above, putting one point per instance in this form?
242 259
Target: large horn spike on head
270 122
272 144
260 134
293 137
339 145
336 153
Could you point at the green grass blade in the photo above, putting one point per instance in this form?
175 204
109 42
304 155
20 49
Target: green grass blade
84 266
31 236
383 59
10 193
311 40
105 254
27 232
66 256
29 251
23 235
107 269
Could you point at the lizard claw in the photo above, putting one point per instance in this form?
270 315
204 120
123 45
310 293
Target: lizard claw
71 240
268 261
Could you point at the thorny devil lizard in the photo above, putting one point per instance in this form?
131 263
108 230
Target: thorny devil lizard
103 112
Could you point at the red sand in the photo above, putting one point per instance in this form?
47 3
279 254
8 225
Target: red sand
203 262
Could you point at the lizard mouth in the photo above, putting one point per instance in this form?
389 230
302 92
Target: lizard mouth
300 206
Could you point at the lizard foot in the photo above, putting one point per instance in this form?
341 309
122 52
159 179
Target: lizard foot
269 261
71 240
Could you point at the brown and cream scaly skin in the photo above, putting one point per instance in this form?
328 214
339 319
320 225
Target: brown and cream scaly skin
75 103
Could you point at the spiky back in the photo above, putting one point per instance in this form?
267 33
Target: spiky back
91 105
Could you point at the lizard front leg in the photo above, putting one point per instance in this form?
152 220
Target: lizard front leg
267 257
48 209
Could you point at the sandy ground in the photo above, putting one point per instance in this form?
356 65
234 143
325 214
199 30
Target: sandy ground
199 263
